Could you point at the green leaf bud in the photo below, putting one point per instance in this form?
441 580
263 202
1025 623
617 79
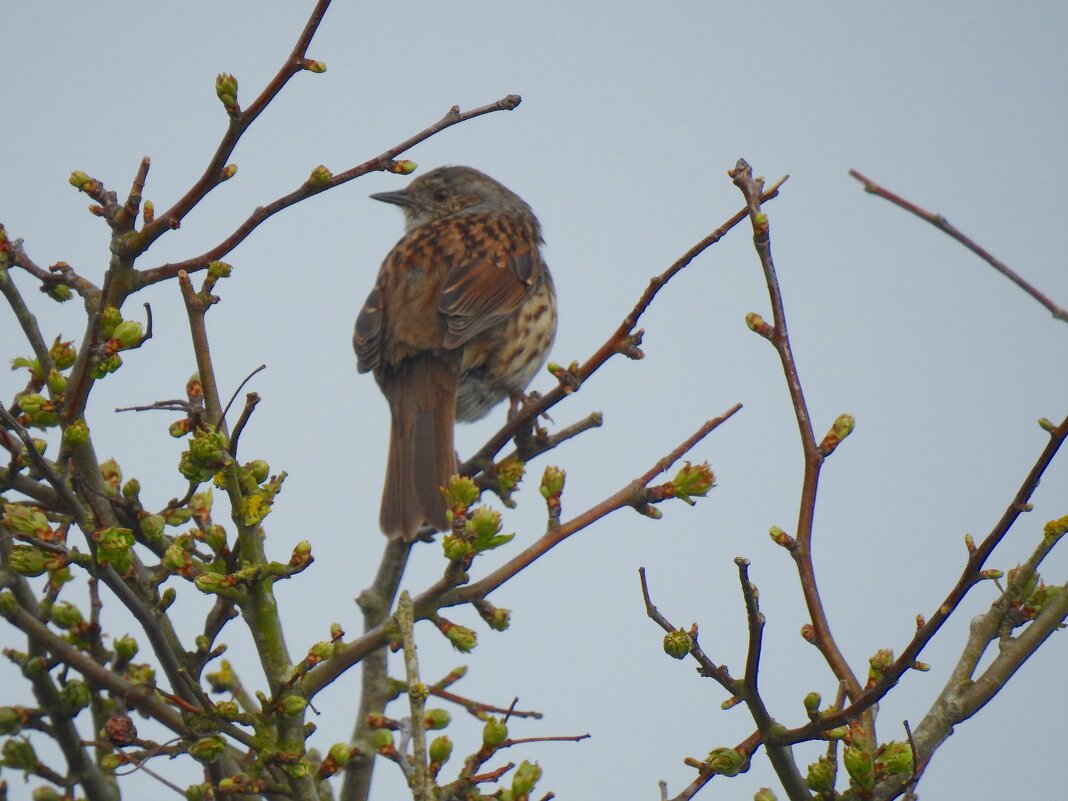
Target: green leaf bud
525 777
552 482
28 520
128 334
28 561
437 719
66 615
821 774
677 644
18 754
858 763
208 749
125 648
75 695
440 749
693 481
293 705
494 732
727 761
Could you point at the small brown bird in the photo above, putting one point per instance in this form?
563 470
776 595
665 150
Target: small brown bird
461 316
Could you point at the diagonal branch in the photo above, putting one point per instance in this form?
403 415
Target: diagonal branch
943 225
310 188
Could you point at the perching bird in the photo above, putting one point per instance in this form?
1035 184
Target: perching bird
461 316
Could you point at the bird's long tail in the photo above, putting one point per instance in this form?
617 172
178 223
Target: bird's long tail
422 395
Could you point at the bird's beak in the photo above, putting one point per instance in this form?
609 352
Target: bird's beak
398 198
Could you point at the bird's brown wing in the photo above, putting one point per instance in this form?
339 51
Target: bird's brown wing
367 338
496 264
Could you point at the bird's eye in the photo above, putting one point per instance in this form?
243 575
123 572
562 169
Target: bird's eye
441 195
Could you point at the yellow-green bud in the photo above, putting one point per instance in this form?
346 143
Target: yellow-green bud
858 763
77 433
75 695
460 493
125 647
764 794
10 719
18 754
293 705
498 619
758 325
228 172
727 761
879 662
259 470
812 702
382 738
60 293
320 176
109 321
894 757
456 548
152 527
179 428
28 561
8 604
114 547
552 482
178 517
45 792
311 65
693 481
820 778
401 167
462 638
677 644
840 429
437 719
40 411
57 382
440 749
525 777
78 179
494 732
66 615
340 753
208 749
128 334
106 366
131 489
226 90
25 520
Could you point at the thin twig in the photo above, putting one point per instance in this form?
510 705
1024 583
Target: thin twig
943 225
308 189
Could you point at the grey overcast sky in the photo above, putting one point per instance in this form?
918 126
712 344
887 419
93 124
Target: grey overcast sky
631 115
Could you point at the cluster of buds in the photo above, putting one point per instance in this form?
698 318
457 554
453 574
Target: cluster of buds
472 531
207 455
1029 595
114 546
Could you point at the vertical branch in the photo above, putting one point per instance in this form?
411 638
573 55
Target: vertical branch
375 693
781 756
779 337
417 693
